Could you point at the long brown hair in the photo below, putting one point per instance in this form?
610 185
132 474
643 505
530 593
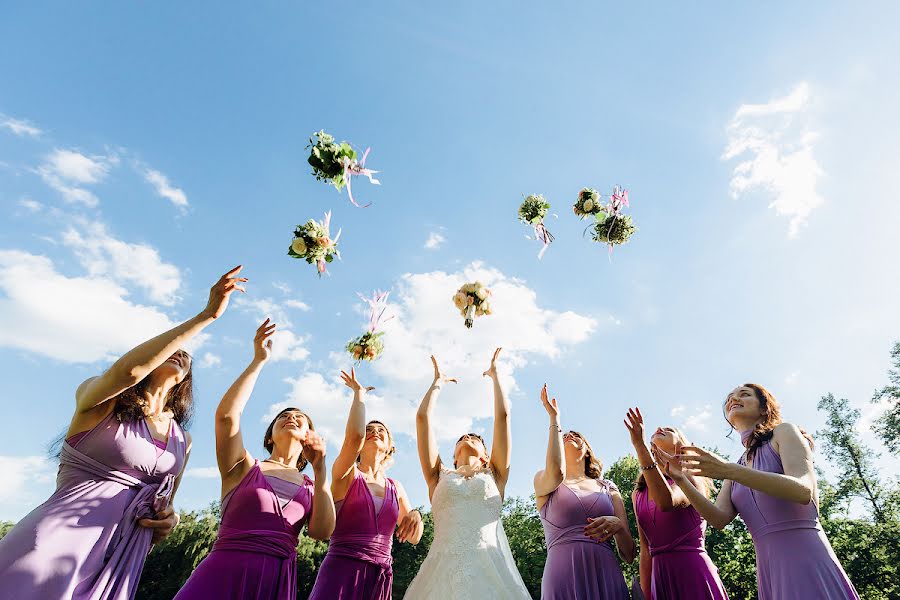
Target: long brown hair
269 444
765 429
593 466
129 404
705 484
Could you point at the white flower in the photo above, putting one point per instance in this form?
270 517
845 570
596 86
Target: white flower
298 246
588 205
482 293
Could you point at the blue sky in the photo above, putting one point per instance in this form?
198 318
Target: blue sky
145 151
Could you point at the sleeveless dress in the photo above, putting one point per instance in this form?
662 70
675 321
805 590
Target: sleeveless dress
681 567
470 556
577 566
793 556
84 542
255 554
358 563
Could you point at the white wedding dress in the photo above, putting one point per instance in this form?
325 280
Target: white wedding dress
470 556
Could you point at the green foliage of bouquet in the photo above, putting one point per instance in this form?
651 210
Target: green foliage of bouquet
368 346
588 203
326 157
533 209
312 243
612 229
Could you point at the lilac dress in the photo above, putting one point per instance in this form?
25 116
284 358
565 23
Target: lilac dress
358 563
793 556
84 542
255 554
682 569
577 566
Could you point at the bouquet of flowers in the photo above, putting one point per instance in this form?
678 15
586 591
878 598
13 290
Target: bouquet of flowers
369 345
532 212
612 227
337 163
588 203
313 243
472 301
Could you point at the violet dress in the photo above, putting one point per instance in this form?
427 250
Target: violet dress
682 570
84 542
793 556
577 566
358 563
255 554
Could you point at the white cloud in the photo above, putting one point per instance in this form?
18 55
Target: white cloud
792 378
19 127
434 241
698 421
282 287
72 319
210 360
136 264
286 345
678 410
166 189
67 171
202 472
779 140
27 481
31 205
297 304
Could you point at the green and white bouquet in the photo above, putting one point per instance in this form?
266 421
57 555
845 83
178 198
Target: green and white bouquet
313 243
369 345
612 227
588 203
532 212
472 301
337 163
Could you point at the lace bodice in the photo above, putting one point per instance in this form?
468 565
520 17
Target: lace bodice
466 509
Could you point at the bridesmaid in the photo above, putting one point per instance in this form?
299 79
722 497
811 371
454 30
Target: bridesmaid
369 507
264 504
570 492
773 488
674 562
120 465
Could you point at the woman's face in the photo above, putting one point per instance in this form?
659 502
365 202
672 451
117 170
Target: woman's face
289 426
574 447
664 439
469 445
176 366
377 435
742 406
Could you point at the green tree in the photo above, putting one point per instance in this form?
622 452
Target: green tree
526 540
887 426
624 474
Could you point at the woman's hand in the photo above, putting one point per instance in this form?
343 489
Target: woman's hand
669 463
439 377
262 342
603 528
221 291
492 370
635 426
549 405
165 522
697 461
409 525
351 382
314 450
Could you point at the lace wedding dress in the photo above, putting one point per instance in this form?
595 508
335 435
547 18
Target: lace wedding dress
470 556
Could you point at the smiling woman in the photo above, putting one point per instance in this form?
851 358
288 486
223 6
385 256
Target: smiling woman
120 466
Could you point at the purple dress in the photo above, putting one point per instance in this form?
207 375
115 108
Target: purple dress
255 554
358 563
577 566
84 542
793 556
682 569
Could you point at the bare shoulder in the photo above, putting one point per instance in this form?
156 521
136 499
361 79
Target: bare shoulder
81 389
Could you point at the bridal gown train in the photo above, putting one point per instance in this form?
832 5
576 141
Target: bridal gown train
470 555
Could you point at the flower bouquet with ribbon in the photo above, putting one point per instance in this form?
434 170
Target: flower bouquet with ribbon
472 301
612 227
337 163
369 345
588 203
313 243
532 212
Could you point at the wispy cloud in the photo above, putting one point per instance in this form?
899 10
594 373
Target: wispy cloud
68 172
434 241
286 345
202 472
210 360
30 205
165 189
19 127
779 141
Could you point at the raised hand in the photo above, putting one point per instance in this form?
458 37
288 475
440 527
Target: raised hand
439 377
314 450
549 405
603 528
697 461
670 463
492 370
222 290
262 342
351 382
408 526
635 425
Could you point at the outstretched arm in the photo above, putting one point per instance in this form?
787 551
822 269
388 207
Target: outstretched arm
663 495
137 363
232 457
548 479
322 518
409 521
720 514
344 469
425 438
501 447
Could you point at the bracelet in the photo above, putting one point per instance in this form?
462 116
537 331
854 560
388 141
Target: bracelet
648 467
557 428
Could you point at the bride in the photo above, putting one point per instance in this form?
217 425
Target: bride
470 556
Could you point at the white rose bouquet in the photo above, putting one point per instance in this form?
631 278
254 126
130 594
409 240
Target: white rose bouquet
588 203
337 163
532 212
472 301
313 243
369 345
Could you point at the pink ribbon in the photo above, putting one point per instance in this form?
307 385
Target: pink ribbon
543 236
352 169
378 305
326 223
